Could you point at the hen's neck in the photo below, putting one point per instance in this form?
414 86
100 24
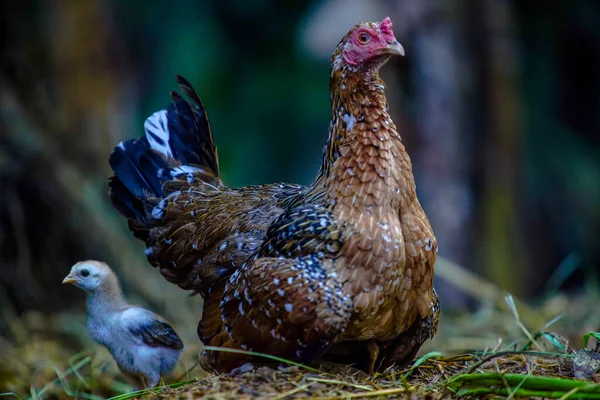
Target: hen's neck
365 165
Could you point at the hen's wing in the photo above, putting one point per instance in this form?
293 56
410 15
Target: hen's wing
283 302
201 233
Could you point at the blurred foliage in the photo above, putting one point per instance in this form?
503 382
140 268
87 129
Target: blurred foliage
560 92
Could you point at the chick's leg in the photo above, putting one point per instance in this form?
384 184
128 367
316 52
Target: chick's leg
152 379
136 380
290 308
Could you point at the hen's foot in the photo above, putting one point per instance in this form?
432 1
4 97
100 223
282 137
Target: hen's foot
242 369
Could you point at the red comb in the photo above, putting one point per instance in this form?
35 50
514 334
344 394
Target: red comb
386 26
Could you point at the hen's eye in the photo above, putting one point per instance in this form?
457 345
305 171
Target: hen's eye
85 273
364 38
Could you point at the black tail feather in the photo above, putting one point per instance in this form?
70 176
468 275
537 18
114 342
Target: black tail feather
191 136
136 177
206 141
179 137
183 129
125 162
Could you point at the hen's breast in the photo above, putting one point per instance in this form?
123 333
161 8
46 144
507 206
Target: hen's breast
371 184
372 271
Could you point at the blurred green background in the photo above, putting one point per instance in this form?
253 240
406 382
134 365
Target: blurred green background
497 101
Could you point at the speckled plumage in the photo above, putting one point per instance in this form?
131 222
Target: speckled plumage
143 344
299 272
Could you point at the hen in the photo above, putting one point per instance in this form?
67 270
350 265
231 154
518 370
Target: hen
345 263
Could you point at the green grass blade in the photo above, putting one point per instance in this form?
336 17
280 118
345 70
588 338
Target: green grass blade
6 394
421 360
156 389
521 385
587 336
255 354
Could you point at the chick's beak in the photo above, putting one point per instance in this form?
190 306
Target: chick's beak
68 279
394 48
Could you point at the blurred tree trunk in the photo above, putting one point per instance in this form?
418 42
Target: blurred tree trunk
438 139
501 255
490 139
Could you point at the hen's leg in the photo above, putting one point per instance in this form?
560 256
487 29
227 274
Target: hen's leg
290 308
373 348
403 349
211 331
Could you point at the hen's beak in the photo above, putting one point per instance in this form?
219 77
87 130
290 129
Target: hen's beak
394 48
68 279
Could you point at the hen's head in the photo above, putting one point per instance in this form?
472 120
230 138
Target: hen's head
367 44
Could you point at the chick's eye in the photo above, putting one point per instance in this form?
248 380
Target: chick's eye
85 273
364 38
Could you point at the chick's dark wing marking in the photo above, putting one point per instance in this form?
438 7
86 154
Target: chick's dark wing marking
157 334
